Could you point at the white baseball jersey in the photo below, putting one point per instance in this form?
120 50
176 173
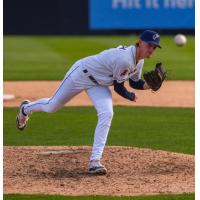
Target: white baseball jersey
113 64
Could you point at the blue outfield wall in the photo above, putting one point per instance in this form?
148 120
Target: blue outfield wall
141 14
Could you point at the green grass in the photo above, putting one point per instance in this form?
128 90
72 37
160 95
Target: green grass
34 197
49 57
169 129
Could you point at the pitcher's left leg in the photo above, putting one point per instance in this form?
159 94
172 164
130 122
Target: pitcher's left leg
102 100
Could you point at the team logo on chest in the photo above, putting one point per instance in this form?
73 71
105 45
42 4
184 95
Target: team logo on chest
125 72
134 71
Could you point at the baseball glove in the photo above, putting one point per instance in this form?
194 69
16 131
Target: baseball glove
155 77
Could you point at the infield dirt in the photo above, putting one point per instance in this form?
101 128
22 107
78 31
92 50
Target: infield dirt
172 94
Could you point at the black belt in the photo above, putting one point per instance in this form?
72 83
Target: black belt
90 77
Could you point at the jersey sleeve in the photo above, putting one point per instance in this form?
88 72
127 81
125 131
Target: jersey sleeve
140 71
137 76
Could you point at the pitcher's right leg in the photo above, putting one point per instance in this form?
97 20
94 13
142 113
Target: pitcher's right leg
64 93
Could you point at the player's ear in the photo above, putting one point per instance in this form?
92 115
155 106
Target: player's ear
139 43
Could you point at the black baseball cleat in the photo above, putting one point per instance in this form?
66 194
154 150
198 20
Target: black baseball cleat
22 119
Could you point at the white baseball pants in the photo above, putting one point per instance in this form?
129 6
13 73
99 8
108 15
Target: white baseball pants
74 82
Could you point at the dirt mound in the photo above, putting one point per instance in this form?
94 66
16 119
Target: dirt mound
63 171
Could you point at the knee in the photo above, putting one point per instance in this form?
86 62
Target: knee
52 107
109 115
106 117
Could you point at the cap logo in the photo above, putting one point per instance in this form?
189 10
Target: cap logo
155 36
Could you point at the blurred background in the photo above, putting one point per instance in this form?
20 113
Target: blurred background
43 38
64 17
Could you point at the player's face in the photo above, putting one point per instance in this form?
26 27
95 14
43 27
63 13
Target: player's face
147 49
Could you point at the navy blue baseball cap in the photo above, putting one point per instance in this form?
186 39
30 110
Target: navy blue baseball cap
151 37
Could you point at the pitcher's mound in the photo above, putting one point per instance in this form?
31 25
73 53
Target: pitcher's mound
63 171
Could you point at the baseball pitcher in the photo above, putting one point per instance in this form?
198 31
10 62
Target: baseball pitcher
94 74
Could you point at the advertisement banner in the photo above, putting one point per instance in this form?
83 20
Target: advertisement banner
141 14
